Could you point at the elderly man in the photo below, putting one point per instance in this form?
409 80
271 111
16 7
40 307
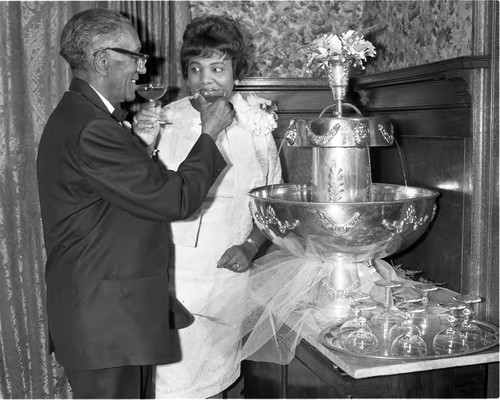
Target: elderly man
105 210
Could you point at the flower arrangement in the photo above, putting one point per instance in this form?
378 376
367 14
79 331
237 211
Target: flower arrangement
349 46
257 113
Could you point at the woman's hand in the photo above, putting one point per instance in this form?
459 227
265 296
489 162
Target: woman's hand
216 116
237 258
146 125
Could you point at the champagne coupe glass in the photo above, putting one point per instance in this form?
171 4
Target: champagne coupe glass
450 340
426 320
356 298
409 344
408 307
362 340
406 338
473 333
359 320
386 318
468 299
211 94
151 92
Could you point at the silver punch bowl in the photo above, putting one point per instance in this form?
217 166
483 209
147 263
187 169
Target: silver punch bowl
395 218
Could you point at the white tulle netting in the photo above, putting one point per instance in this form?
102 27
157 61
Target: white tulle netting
287 297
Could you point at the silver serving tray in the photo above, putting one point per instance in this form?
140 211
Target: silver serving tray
328 337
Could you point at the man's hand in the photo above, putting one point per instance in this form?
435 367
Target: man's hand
146 125
216 116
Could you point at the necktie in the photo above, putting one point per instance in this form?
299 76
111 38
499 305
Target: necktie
119 114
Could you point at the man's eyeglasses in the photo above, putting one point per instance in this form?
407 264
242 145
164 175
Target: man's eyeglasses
140 58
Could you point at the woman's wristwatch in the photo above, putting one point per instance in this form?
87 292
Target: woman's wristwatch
252 242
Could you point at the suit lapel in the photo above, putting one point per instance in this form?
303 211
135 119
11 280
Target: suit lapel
82 87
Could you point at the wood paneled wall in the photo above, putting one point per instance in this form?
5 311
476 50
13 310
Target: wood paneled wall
441 126
437 131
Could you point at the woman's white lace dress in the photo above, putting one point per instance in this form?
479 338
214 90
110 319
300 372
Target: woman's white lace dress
224 220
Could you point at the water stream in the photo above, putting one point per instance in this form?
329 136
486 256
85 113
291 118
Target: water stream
370 186
277 161
402 163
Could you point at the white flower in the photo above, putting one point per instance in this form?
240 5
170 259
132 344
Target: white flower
350 45
256 113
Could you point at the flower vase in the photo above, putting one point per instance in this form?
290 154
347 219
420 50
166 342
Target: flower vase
338 78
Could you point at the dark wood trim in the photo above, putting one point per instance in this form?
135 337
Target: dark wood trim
446 69
443 78
320 365
283 381
483 26
262 83
482 276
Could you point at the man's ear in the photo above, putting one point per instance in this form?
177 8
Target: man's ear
101 63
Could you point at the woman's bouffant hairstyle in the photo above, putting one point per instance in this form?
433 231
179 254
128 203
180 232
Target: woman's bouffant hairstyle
214 34
90 31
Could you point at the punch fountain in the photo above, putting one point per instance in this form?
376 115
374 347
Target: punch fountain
342 219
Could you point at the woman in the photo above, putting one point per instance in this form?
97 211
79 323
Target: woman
216 247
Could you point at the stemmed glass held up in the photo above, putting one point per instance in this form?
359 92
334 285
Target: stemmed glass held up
211 94
151 92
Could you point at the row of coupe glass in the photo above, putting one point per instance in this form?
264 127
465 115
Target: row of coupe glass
405 331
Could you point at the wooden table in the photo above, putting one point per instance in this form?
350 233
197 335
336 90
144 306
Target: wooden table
317 372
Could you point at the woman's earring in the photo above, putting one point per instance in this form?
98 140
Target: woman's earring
236 82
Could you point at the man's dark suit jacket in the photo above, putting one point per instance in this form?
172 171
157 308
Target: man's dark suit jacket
105 210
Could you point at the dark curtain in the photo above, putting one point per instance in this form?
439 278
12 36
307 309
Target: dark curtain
33 78
160 25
